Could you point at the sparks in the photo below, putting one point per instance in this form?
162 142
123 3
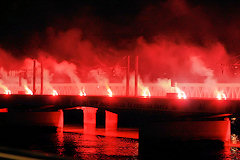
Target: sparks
145 92
181 94
221 95
28 91
54 93
110 94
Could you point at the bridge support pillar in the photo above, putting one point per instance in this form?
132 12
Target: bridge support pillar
3 110
111 121
89 119
183 137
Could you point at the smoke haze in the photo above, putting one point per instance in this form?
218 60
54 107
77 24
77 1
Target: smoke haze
186 41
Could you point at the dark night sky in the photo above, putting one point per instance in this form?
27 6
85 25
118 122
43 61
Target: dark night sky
24 23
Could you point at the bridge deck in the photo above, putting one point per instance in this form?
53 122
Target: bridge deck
154 104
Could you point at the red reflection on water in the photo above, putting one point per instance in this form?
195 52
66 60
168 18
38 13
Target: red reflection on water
60 142
89 143
89 146
120 132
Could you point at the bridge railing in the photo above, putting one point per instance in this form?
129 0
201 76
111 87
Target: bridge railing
194 90
200 90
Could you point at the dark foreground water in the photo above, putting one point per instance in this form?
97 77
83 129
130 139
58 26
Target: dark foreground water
96 147
72 145
83 146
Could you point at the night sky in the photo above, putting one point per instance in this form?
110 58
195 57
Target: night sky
24 24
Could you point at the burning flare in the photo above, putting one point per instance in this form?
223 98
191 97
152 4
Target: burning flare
145 92
181 94
7 92
55 93
110 94
28 91
221 95
82 93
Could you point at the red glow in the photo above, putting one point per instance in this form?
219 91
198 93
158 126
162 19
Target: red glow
55 93
28 91
102 84
7 92
110 94
221 96
111 121
181 94
145 92
89 119
3 110
82 93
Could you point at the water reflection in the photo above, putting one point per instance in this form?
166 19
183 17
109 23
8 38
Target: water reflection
60 141
70 145
85 146
91 146
230 151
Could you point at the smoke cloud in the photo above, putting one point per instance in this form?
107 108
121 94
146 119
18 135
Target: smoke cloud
178 40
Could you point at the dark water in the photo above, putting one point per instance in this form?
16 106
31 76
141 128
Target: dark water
72 145
83 146
96 147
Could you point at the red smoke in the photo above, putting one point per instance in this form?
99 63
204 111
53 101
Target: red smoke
174 39
71 57
167 59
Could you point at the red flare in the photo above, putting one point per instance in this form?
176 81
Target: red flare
55 93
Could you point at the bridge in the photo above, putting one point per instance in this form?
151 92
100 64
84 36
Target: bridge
160 118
